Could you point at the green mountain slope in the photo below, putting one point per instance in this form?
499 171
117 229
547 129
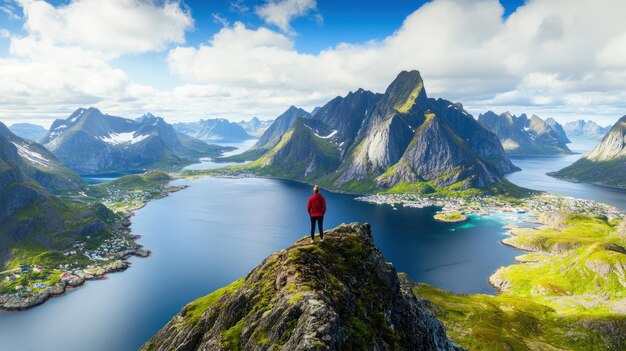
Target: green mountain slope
605 164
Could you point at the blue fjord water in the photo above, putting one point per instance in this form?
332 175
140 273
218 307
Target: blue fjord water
206 236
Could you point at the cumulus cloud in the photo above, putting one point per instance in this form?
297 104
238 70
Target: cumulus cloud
545 55
558 58
280 13
112 27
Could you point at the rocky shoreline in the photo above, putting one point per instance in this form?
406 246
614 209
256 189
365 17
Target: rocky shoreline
9 302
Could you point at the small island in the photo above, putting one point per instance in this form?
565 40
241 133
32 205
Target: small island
450 217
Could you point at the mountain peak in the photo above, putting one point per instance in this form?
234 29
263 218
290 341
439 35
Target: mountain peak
405 90
337 295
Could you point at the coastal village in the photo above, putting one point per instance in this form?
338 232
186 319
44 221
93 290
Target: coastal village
33 280
488 205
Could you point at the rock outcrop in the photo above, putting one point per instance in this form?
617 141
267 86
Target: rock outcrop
337 295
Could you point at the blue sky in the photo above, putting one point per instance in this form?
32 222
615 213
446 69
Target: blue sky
352 21
238 58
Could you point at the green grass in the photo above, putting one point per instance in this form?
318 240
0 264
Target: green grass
609 172
232 336
507 322
581 268
194 310
134 182
454 216
249 155
561 300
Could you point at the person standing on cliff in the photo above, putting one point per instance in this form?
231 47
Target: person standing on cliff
316 206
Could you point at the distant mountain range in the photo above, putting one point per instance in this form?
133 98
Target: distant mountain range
527 136
397 141
30 215
32 132
587 128
213 129
91 142
255 126
605 164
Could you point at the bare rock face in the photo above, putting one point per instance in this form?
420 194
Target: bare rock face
337 295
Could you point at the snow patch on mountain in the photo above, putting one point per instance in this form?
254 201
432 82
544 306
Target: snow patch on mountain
32 156
123 138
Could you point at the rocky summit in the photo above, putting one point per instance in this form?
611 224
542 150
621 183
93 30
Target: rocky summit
337 295
605 164
366 141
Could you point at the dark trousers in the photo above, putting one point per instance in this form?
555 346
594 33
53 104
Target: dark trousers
320 223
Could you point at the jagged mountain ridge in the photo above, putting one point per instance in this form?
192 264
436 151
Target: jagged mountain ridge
213 129
91 142
521 135
605 164
28 131
41 166
255 126
381 143
586 128
336 295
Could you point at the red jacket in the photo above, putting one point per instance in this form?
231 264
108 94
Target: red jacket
316 205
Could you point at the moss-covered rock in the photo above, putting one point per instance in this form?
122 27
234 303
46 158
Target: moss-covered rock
337 295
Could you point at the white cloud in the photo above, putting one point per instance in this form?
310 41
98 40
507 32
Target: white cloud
280 13
548 52
558 58
112 27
